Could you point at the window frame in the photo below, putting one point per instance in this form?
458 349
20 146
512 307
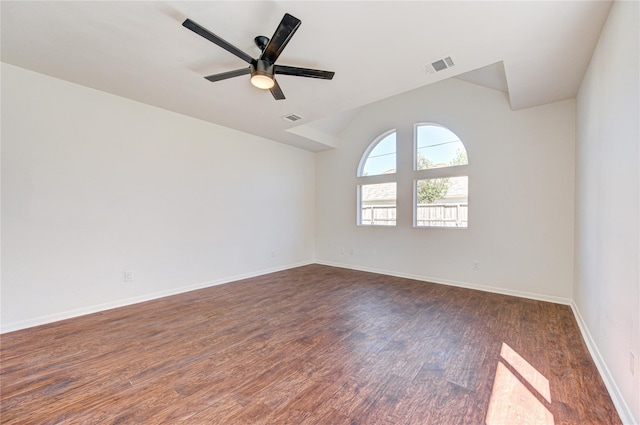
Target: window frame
376 178
415 146
450 171
360 206
401 177
415 200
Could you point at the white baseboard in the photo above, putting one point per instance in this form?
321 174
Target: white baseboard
42 320
621 406
466 285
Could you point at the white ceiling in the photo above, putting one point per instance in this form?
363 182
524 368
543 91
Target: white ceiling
139 50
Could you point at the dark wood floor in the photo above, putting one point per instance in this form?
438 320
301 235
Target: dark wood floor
312 345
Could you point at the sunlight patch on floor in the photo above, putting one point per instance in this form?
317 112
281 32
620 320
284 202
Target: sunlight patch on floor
520 393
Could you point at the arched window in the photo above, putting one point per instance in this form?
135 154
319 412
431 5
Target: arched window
441 198
380 156
437 147
377 201
440 181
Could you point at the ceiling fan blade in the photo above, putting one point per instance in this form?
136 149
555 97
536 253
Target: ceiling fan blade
201 31
228 74
276 91
280 38
303 72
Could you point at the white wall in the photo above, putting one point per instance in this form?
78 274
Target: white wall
607 278
521 194
94 184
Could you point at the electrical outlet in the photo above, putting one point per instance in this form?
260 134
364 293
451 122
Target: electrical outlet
128 276
632 363
475 266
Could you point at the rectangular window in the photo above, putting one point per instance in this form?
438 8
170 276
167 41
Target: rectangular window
377 204
442 202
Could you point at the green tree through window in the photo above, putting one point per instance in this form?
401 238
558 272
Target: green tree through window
429 191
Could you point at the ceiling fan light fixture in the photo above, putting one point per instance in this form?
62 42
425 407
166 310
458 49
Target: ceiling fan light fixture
262 75
264 82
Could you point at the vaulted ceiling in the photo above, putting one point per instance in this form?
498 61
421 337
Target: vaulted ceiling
535 51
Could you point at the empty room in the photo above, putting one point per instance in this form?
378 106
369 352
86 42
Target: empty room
320 212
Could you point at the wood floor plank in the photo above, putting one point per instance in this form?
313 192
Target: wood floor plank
310 345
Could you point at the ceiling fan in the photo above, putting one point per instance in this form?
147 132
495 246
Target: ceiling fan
263 69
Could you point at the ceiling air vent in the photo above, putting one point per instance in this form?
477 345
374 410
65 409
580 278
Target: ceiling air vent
439 65
292 117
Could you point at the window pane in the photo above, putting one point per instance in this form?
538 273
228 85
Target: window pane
442 202
378 204
382 158
438 147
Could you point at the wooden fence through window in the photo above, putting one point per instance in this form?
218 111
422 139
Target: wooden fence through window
427 215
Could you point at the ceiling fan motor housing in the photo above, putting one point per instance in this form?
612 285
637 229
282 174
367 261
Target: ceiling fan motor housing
262 67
